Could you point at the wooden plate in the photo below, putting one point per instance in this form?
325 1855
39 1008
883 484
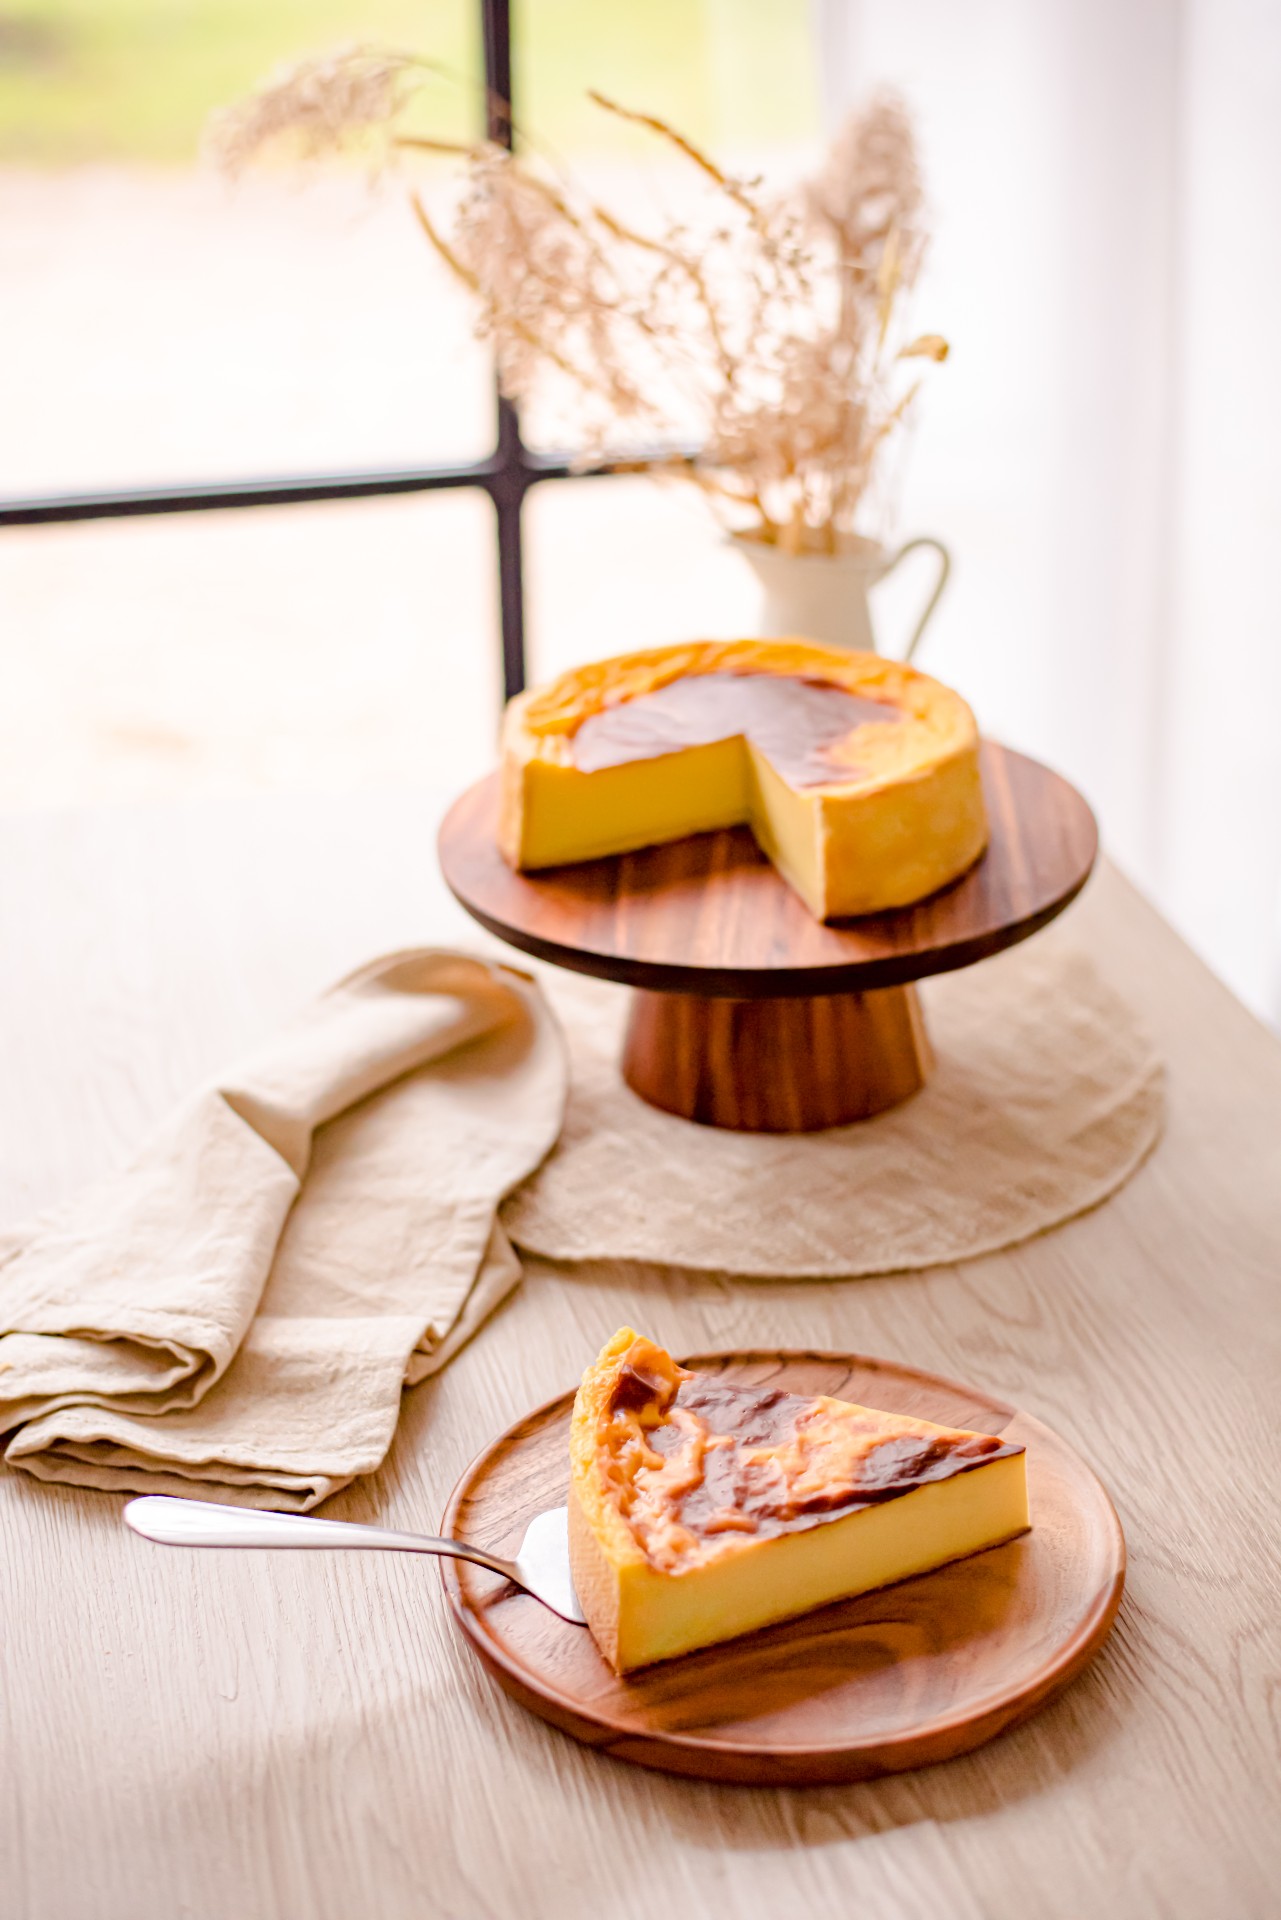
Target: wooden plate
901 1678
709 914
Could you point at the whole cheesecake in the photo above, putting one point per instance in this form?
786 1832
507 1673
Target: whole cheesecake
858 776
700 1510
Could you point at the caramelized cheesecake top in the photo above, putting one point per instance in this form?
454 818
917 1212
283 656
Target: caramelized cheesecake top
802 725
824 708
692 1463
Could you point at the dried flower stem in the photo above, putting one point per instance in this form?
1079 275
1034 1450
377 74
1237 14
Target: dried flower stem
653 124
772 332
472 282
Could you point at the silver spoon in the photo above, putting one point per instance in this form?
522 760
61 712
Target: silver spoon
541 1567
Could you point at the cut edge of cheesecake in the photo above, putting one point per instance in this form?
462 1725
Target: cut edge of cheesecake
640 1612
846 847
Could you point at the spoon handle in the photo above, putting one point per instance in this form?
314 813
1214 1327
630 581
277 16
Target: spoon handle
206 1523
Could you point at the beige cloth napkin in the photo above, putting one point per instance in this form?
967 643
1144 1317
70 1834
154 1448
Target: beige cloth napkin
236 1313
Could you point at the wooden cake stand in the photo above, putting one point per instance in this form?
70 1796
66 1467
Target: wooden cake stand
749 1013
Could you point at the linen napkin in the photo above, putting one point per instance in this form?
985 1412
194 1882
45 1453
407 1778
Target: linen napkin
236 1313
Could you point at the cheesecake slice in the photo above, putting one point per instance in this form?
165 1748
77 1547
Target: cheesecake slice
858 776
699 1510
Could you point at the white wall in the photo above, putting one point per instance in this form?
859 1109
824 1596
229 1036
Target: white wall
1221 855
1102 449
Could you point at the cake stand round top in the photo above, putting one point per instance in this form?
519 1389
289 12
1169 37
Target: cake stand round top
709 914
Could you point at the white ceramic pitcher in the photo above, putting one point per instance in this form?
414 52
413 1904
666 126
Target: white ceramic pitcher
819 596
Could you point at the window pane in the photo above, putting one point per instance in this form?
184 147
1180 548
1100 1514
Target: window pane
736 77
307 649
616 564
621 563
160 324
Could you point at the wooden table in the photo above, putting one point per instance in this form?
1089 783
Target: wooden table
235 1736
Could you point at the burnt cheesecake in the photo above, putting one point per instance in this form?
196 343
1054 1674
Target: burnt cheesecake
858 776
700 1510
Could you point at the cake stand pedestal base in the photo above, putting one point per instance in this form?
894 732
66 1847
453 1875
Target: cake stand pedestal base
787 1065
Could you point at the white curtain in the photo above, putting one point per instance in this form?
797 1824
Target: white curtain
1103 450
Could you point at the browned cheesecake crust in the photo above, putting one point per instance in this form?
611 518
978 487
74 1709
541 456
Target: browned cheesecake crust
693 1460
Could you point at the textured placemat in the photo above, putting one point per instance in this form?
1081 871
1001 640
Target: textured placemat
1046 1097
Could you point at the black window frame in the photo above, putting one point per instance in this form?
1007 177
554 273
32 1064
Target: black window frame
506 474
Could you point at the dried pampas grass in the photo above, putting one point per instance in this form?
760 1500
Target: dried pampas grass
771 330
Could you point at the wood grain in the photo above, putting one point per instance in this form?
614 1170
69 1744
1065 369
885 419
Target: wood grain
789 1065
289 1737
710 915
906 1677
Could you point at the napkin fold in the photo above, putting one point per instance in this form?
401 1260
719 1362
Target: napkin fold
237 1311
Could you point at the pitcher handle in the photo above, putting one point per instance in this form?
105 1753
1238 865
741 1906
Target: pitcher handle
945 568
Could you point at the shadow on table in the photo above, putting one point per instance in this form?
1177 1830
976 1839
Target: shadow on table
1016 1766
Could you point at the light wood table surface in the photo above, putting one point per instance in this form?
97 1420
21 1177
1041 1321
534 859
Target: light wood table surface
240 1735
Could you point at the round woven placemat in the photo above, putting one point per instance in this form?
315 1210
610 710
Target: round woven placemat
1046 1096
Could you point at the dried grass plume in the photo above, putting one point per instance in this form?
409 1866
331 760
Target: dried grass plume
768 329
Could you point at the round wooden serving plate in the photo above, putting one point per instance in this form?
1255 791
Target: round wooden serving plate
900 1678
750 1013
